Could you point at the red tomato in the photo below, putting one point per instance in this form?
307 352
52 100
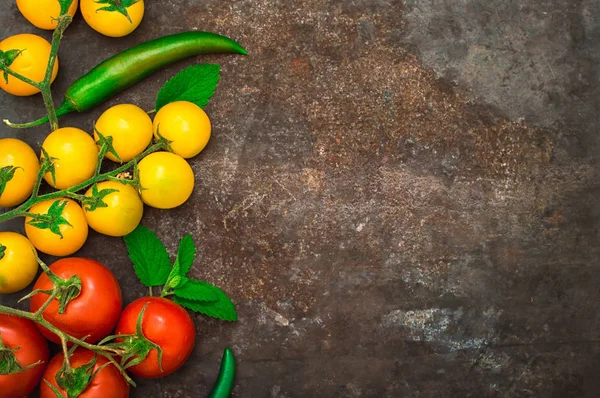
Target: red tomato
165 323
94 312
32 347
108 383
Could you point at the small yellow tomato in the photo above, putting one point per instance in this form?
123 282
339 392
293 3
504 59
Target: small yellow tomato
75 154
186 125
18 265
31 63
74 234
43 13
167 180
131 130
17 158
113 22
122 214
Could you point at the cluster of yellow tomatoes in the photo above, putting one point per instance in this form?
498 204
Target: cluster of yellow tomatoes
43 14
166 180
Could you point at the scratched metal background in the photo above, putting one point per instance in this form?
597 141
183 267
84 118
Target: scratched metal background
402 197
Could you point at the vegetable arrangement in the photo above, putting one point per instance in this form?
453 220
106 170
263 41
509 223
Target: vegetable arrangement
77 302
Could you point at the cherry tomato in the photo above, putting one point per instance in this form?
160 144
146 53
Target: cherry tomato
108 383
186 125
73 235
43 13
123 213
18 265
17 154
165 323
31 63
112 23
94 312
75 154
167 180
131 130
32 347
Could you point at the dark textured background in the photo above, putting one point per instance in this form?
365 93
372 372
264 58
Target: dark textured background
400 197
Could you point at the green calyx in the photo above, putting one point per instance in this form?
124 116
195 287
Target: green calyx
65 290
8 360
6 60
135 347
96 201
7 173
120 6
75 381
53 219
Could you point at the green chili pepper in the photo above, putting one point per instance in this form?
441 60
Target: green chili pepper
224 384
130 66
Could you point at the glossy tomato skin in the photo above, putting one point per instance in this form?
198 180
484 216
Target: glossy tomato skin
74 234
19 154
112 23
165 323
31 63
19 332
108 383
43 13
94 312
167 179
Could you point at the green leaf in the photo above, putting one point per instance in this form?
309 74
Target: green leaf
118 6
149 256
196 84
222 308
186 254
195 290
6 174
2 251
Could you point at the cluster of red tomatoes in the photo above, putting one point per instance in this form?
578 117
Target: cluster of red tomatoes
92 316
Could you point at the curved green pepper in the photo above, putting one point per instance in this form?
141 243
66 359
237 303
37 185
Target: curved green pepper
225 381
130 66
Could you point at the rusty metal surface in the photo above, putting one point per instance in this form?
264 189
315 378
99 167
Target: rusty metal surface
402 199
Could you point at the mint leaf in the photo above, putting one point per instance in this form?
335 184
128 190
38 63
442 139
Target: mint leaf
149 256
196 84
194 290
223 308
186 254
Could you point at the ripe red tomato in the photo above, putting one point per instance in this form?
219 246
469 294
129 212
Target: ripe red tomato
107 383
94 312
165 323
32 347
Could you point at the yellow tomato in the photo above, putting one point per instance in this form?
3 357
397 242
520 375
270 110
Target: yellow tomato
17 154
186 125
73 235
122 214
75 154
113 23
131 130
18 265
43 13
167 180
31 63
